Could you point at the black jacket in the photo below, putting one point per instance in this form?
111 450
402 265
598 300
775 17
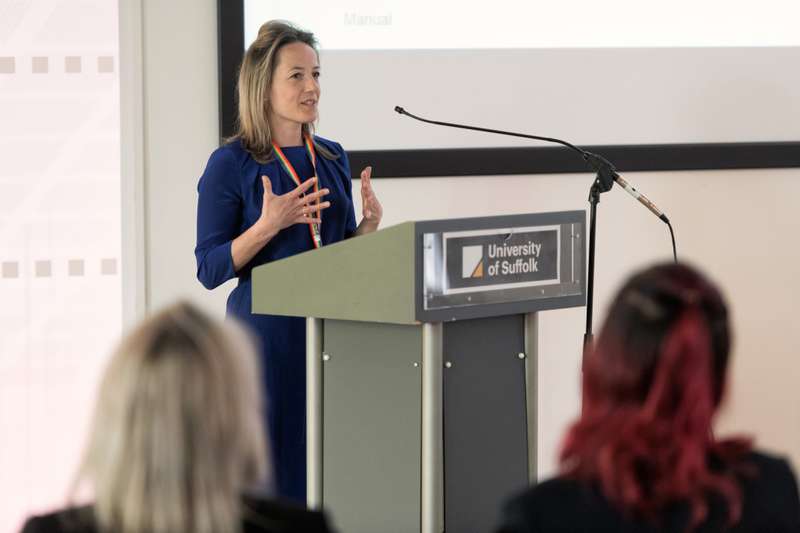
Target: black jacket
770 505
260 516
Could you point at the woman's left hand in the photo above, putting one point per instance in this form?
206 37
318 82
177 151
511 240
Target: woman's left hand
372 210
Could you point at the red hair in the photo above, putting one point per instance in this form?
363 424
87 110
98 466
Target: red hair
651 388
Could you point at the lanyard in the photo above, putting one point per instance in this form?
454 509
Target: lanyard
313 227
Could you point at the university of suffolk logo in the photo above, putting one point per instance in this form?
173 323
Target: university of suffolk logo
472 261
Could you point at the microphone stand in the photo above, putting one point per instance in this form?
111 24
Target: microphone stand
604 180
594 199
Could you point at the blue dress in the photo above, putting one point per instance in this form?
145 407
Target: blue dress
230 200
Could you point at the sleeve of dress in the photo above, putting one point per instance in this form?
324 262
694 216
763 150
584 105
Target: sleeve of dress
350 225
219 212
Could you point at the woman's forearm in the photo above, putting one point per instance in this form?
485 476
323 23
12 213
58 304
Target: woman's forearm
366 226
248 244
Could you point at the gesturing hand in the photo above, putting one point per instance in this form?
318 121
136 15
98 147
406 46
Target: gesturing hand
371 207
280 211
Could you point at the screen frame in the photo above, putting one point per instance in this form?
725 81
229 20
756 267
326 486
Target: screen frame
503 160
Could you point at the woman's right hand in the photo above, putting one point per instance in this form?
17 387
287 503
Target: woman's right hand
279 211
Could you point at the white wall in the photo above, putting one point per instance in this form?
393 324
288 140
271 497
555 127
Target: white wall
740 225
180 130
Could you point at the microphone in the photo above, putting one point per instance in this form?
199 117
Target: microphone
642 199
606 173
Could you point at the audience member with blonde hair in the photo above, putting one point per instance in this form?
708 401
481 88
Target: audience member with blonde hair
177 440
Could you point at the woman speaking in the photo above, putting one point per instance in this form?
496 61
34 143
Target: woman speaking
272 191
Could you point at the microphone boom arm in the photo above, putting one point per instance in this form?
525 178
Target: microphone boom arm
606 173
604 181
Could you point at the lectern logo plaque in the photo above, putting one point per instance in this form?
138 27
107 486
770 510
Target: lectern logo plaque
508 264
501 259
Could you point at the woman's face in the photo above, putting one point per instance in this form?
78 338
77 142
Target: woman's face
295 90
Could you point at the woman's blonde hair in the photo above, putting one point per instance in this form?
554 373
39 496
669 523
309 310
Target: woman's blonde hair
255 82
177 434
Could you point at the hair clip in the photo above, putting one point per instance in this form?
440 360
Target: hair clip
645 304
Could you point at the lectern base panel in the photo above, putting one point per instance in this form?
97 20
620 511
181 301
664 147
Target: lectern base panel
371 426
372 442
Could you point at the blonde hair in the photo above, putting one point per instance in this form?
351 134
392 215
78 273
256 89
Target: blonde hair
177 435
255 82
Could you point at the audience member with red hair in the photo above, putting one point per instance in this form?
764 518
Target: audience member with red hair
642 457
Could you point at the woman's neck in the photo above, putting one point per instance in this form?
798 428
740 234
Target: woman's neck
286 133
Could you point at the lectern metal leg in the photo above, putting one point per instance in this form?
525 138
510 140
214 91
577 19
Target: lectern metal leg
532 391
314 412
432 515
